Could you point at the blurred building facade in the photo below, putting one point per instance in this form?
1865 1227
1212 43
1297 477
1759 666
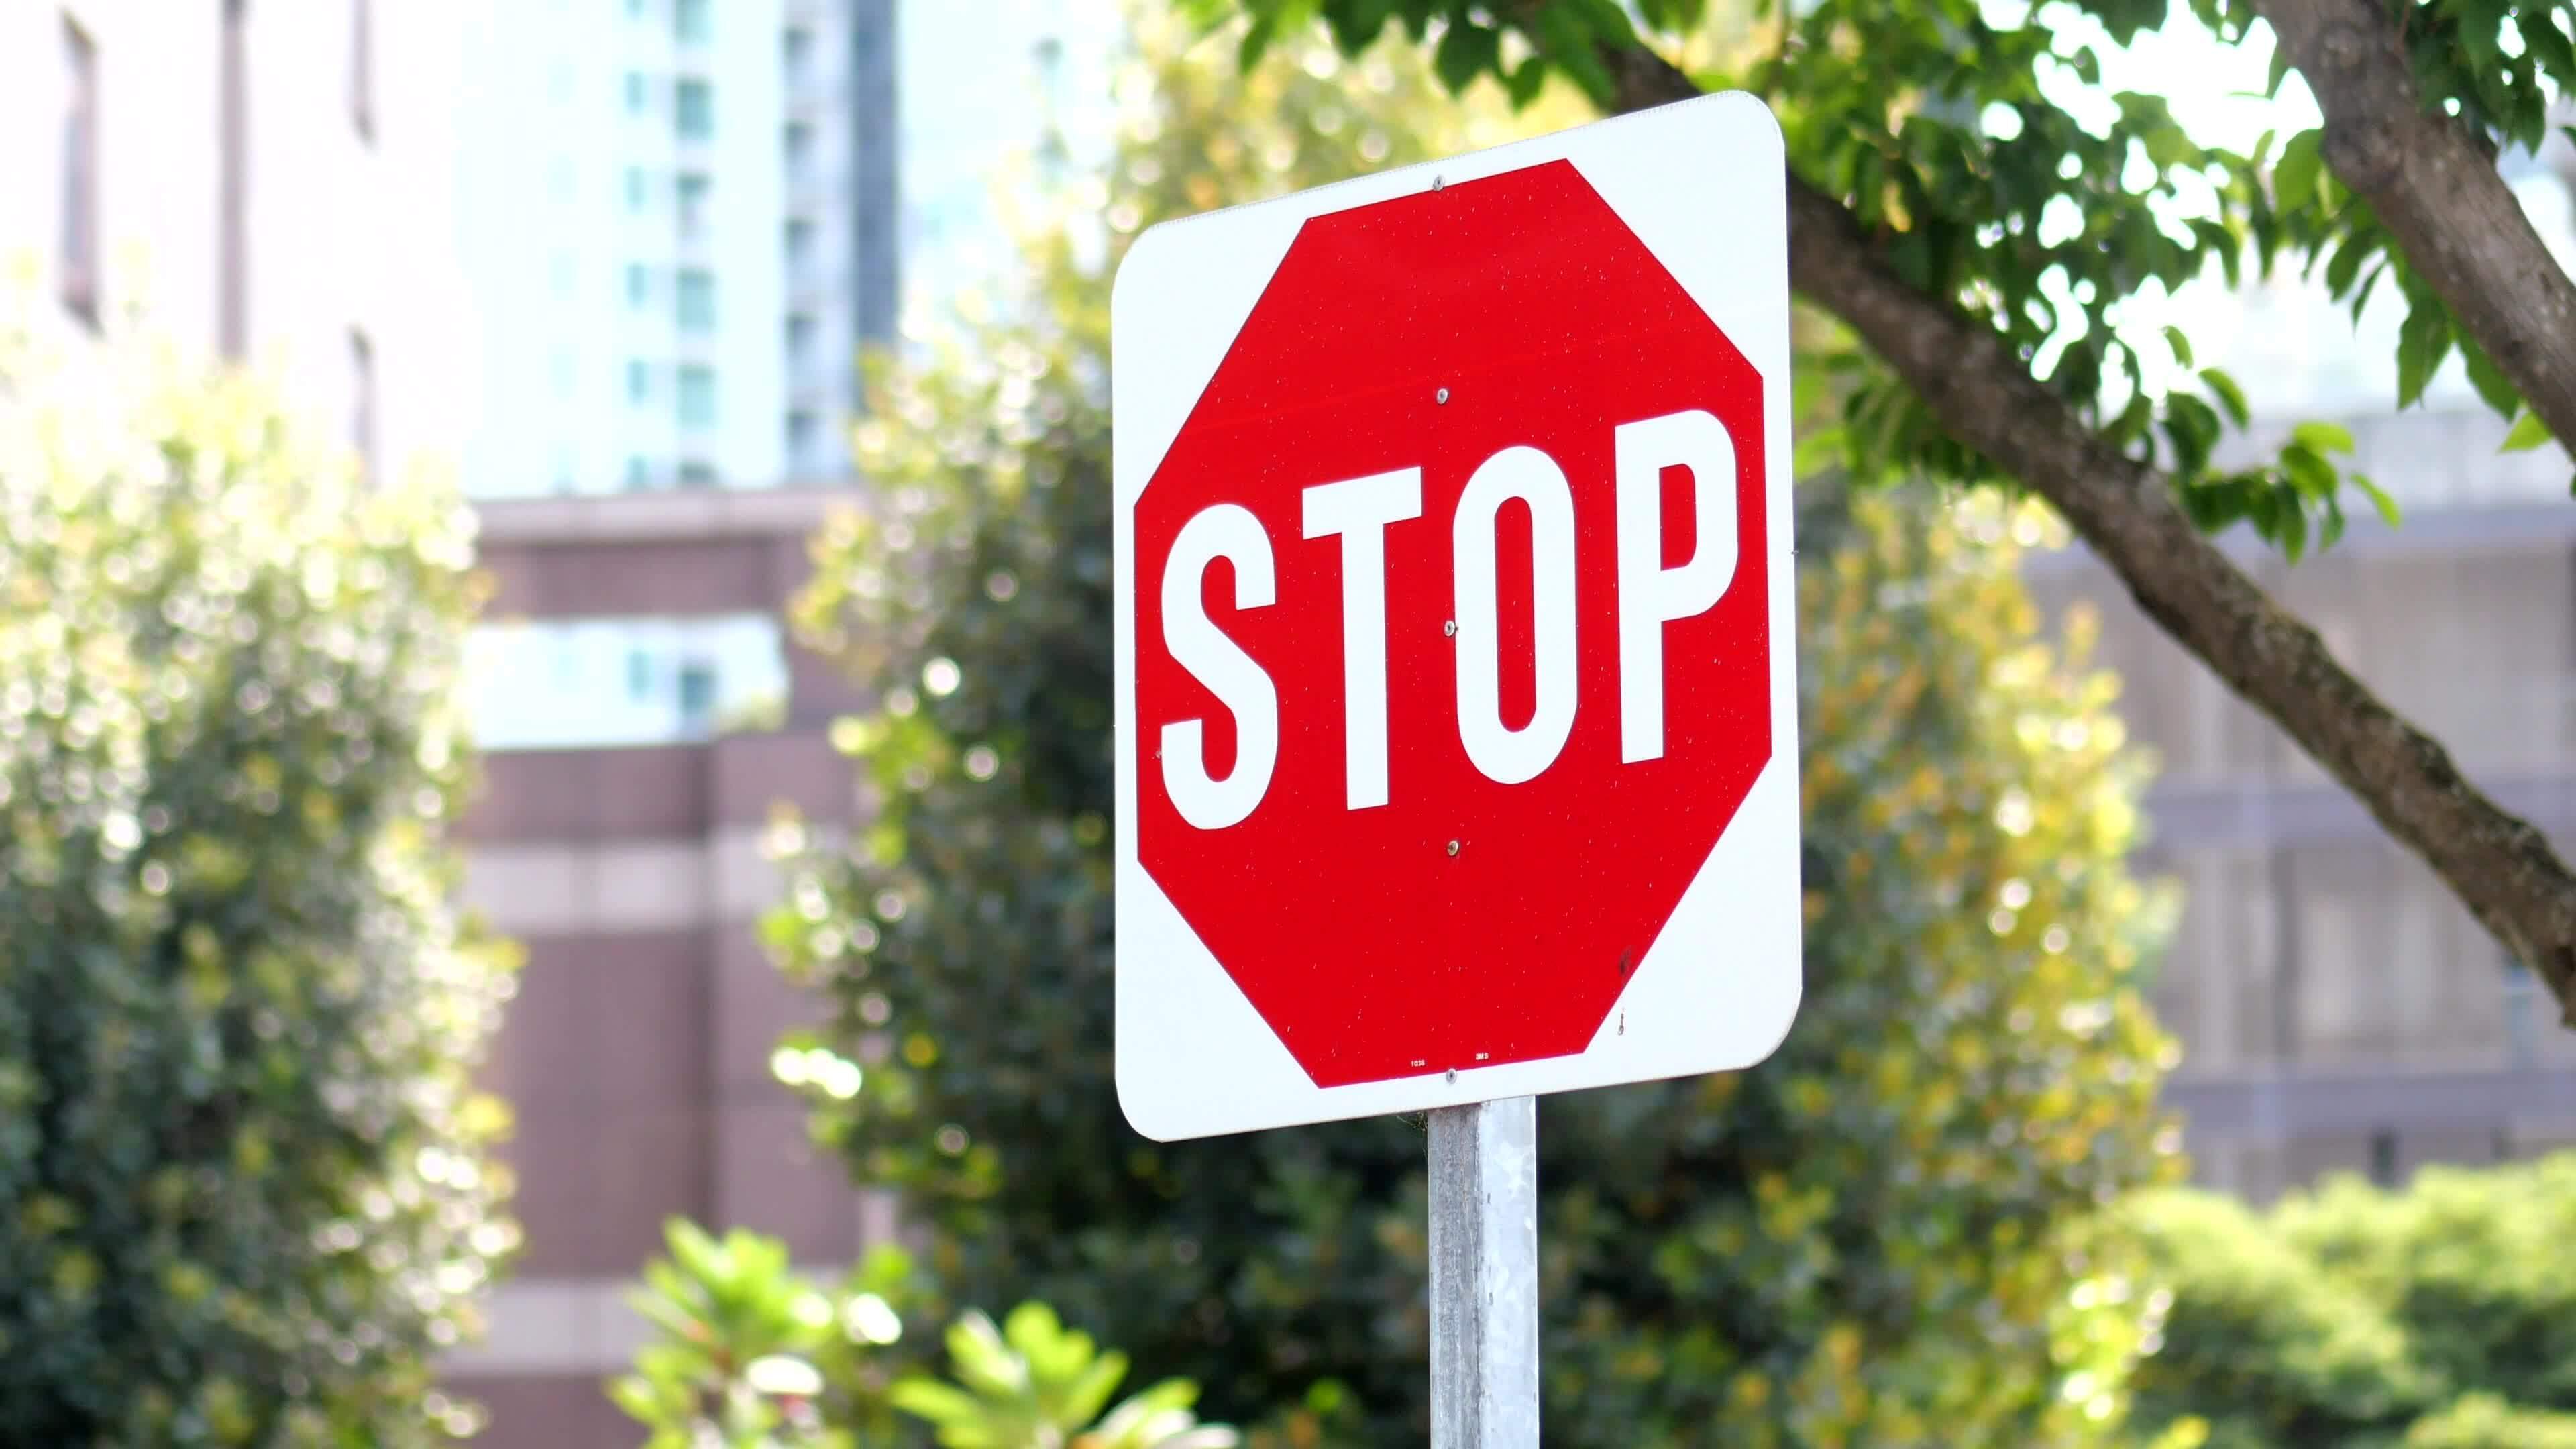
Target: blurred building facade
2337 1008
636 1054
260 181
678 220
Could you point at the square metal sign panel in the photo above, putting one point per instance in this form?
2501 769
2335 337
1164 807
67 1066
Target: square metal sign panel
1456 694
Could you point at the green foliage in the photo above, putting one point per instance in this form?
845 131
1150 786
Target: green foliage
243 1196
751 1355
1034 1383
1945 126
2444 1314
1881 1234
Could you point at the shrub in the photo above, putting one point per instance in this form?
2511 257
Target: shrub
754 1356
2438 1314
243 1197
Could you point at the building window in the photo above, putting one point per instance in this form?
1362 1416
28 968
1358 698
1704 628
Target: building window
697 475
639 284
796 51
799 149
697 397
693 110
79 260
689 19
800 337
801 428
362 67
697 696
2383 1158
639 474
639 96
695 294
691 195
800 242
362 402
639 381
639 675
639 189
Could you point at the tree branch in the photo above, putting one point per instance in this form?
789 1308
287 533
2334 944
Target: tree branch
2433 184
2499 866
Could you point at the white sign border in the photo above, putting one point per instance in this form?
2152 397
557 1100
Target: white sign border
1703 183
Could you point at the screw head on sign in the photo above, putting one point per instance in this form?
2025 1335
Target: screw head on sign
1448 627
1441 396
1453 847
1438 181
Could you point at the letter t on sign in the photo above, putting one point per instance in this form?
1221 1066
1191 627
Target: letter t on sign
1359 509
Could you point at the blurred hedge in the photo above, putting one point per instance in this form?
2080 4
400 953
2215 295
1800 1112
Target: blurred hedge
242 1189
1884 1235
2441 1314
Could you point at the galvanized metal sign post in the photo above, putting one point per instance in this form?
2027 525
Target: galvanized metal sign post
1456 694
1484 1275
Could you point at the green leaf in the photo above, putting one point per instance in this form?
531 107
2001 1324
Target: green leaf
2423 340
2325 439
1089 1394
2529 432
945 1405
2229 395
2308 472
1256 42
2294 176
2490 381
2378 496
2193 428
2180 344
2346 262
1466 52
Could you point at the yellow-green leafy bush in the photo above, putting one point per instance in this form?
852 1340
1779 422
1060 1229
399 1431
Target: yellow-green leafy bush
243 1196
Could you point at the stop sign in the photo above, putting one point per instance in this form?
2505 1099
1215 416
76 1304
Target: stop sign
1455 702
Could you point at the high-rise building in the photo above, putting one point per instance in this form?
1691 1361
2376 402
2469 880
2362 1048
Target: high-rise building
677 220
259 180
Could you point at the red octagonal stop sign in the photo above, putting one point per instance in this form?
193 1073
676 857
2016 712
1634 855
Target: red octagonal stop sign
1451 642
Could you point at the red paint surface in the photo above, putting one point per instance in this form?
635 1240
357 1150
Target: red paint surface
1370 949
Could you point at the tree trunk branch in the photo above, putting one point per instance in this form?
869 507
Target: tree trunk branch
2499 866
2433 184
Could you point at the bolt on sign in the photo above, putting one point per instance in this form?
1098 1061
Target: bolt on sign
1456 703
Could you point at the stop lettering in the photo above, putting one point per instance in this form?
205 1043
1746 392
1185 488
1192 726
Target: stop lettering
1357 512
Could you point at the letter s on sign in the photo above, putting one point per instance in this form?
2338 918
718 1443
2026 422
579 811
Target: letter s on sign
1230 532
